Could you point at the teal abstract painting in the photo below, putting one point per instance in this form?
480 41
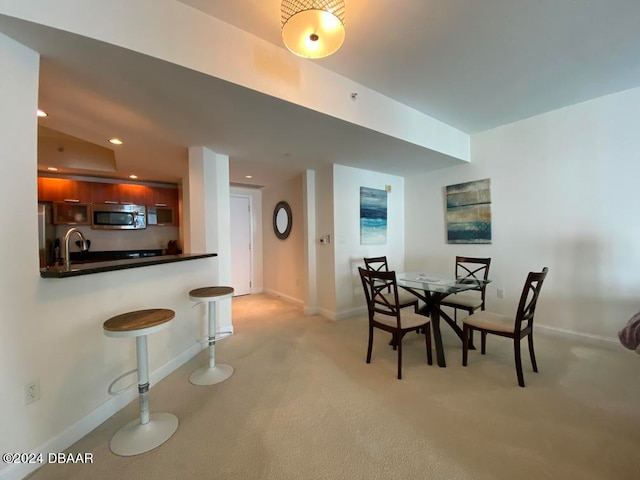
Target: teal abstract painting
373 216
469 212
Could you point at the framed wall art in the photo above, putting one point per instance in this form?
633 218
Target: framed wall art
469 212
373 216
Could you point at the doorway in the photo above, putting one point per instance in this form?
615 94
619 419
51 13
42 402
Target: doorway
241 244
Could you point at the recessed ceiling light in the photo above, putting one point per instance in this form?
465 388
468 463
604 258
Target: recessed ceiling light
115 141
248 176
133 176
52 169
42 113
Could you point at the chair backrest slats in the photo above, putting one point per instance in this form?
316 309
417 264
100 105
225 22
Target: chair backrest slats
377 264
473 269
529 298
375 285
467 268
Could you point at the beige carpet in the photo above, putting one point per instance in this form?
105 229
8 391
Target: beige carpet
303 404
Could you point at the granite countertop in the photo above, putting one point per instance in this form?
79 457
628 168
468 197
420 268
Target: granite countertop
109 266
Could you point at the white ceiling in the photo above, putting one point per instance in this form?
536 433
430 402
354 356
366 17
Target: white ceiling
472 64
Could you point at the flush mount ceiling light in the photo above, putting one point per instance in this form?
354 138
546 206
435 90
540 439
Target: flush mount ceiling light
115 141
312 28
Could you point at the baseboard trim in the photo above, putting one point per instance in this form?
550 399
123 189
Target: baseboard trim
93 419
327 313
310 310
595 340
354 312
287 298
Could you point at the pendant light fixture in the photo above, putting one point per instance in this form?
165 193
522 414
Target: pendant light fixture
312 28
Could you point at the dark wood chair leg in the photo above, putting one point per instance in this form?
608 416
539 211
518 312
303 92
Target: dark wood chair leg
532 353
370 343
399 357
516 350
483 343
465 344
427 336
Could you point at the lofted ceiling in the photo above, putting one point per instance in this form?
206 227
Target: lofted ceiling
471 64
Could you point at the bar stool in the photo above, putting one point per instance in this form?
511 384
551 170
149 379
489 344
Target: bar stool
150 430
213 373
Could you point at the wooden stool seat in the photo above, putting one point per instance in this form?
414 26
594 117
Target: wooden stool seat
211 293
140 322
212 373
150 430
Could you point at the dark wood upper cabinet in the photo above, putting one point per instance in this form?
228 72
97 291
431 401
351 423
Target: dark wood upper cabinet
163 197
122 193
162 206
133 194
63 190
104 192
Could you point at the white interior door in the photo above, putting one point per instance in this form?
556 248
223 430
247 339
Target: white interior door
241 244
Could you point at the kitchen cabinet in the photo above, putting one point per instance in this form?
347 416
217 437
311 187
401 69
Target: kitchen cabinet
163 197
161 216
161 202
104 193
63 190
119 193
133 194
162 208
65 213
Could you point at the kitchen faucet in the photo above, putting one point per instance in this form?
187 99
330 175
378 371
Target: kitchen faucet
83 245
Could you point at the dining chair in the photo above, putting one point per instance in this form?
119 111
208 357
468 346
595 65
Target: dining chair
379 264
469 269
386 313
515 328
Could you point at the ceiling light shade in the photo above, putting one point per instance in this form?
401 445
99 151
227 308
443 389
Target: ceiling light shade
312 28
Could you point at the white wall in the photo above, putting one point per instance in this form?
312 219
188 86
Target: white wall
19 357
348 250
563 188
257 281
325 254
51 329
285 273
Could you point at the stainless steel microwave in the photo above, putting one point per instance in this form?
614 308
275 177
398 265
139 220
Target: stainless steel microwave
118 217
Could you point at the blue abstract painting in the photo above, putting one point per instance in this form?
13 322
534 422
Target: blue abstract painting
469 212
373 216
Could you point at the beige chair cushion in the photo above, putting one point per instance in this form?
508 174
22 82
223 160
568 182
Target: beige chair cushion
408 319
403 297
467 301
491 321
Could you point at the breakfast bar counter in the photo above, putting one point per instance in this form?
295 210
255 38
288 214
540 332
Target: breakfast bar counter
109 266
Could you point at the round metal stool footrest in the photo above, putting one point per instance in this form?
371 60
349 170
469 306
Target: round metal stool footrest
218 337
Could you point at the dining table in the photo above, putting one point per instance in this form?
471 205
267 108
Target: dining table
432 289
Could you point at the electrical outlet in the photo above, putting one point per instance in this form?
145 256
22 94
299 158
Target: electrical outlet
501 293
32 392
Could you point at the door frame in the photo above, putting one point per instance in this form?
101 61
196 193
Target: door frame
251 235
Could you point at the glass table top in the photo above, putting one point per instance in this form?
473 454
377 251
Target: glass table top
437 283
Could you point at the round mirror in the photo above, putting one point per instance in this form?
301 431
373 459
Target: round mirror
282 220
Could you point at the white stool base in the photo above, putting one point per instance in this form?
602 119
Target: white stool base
135 438
211 375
